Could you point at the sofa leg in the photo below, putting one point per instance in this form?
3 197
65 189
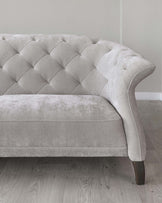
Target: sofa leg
139 170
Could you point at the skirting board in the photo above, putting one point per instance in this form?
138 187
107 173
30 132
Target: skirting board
149 96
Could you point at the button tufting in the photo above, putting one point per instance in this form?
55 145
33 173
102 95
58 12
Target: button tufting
31 65
94 41
78 53
48 52
124 67
14 80
63 72
61 66
3 38
33 39
16 51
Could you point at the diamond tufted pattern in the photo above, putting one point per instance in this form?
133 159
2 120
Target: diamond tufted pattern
50 64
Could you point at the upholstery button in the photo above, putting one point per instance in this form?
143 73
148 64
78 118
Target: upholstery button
3 38
78 53
47 52
14 80
94 41
17 52
46 81
124 67
33 39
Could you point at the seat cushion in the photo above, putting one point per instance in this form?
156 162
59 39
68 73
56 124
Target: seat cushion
60 123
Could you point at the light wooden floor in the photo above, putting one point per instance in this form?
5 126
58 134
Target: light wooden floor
87 180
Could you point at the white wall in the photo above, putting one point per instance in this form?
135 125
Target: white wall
135 22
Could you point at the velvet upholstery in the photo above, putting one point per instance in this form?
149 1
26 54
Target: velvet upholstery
38 121
70 65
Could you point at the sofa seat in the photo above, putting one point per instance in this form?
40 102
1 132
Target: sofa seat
82 125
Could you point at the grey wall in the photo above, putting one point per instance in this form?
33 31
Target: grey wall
90 17
136 23
142 31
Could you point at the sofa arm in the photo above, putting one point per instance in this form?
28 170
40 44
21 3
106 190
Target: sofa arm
124 69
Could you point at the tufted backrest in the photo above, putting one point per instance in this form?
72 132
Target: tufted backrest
51 64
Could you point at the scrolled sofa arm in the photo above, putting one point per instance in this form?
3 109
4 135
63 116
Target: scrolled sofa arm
124 69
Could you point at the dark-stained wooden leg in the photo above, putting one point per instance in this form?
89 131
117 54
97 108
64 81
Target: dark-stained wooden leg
139 170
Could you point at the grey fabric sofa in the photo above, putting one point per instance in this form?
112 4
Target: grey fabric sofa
66 95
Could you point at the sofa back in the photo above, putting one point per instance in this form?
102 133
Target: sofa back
51 64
